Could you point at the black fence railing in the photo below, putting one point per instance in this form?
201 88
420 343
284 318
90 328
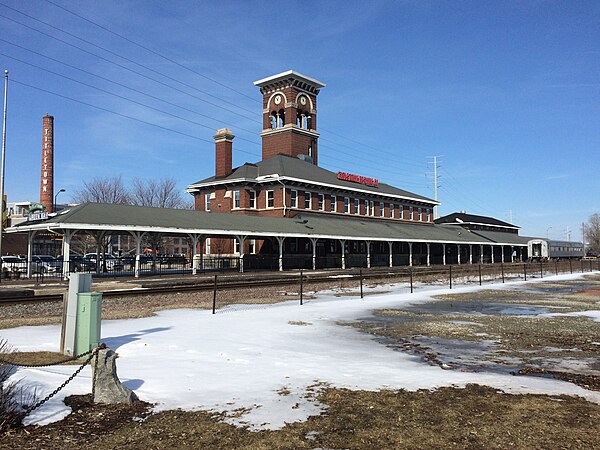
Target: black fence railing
14 268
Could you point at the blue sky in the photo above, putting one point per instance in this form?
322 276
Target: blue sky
507 93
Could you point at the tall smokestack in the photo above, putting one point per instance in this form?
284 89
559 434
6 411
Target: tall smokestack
223 150
47 178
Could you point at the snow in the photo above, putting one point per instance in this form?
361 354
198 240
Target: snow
242 357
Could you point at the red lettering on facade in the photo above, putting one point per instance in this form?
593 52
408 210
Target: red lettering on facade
357 179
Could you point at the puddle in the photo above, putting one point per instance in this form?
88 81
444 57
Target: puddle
475 308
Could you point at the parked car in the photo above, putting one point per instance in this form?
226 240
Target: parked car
14 264
45 264
78 263
107 261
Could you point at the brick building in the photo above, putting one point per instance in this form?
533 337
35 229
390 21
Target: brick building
288 181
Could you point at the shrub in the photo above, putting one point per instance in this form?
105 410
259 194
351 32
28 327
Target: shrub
13 398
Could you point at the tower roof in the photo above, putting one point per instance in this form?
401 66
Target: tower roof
288 77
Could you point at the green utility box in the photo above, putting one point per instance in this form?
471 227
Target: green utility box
87 330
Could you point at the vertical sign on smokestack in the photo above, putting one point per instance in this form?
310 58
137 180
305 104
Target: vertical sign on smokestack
47 178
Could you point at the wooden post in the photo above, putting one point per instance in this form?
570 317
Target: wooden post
301 286
214 295
411 281
479 274
361 283
450 276
525 271
502 269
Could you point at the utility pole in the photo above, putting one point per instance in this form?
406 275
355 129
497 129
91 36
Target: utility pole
568 234
2 165
510 219
435 186
583 236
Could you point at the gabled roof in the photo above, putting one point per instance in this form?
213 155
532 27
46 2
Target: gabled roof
466 219
294 169
124 218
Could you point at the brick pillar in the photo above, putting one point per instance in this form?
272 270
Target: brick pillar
47 175
223 149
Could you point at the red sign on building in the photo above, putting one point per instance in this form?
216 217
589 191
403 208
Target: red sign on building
357 179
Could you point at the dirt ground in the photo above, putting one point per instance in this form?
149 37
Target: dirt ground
474 417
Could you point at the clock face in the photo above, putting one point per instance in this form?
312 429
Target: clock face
277 99
303 101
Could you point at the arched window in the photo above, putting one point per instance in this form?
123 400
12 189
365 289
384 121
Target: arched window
281 121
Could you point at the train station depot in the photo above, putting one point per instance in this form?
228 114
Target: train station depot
285 212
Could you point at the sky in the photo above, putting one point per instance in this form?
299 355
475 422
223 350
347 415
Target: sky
250 353
506 94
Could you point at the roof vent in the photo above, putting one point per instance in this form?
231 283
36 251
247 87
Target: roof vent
307 158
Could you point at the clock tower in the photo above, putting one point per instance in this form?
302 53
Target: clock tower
290 115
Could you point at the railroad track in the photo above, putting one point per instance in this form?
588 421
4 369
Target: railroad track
227 282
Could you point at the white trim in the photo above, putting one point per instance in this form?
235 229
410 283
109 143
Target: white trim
267 199
193 187
286 74
281 105
477 223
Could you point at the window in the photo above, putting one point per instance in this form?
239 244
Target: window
400 211
252 246
356 206
410 213
366 207
381 209
236 199
252 199
420 214
207 202
176 241
392 209
307 200
333 203
347 205
428 215
270 199
294 199
207 246
321 202
372 208
236 247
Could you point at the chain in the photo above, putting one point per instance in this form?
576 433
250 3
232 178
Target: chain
71 358
91 354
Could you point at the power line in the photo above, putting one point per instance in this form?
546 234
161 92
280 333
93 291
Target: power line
127 68
108 30
122 115
121 56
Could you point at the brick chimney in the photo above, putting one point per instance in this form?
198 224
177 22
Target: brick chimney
223 148
47 178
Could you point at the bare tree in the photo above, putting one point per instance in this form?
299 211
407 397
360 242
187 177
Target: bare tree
592 233
103 190
161 193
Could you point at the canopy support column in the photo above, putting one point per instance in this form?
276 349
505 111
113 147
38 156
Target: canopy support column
314 252
368 254
137 236
481 254
66 251
410 254
30 239
492 247
459 255
195 238
444 254
280 242
343 245
428 254
242 241
470 253
390 245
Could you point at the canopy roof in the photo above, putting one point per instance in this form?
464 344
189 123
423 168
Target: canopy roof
128 218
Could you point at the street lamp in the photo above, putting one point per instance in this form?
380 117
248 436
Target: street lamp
547 230
54 205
